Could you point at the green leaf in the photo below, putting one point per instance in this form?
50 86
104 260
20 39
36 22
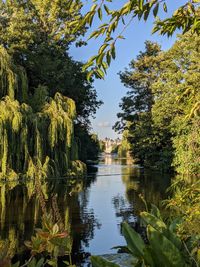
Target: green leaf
153 221
86 66
112 51
108 58
100 262
100 13
102 48
124 248
107 9
155 211
103 25
66 262
174 224
121 37
164 250
173 238
99 73
32 263
155 10
165 7
90 19
141 3
105 66
40 262
155 29
160 226
92 59
95 34
134 241
93 7
108 39
89 75
100 59
52 262
146 14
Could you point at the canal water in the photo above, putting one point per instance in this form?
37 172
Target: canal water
92 209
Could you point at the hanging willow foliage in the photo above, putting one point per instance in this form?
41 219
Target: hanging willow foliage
33 140
13 79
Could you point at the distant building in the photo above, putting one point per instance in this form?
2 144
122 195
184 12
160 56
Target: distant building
111 145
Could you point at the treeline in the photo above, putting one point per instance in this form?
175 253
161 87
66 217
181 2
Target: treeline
160 119
43 90
161 110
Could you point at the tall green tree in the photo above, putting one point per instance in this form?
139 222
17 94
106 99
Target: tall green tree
177 105
37 78
38 34
139 78
149 144
34 142
28 23
164 127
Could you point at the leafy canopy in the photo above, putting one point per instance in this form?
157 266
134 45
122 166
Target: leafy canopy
113 23
161 109
38 35
27 23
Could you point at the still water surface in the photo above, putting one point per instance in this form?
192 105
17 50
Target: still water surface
91 209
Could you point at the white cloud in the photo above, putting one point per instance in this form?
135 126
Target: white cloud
104 124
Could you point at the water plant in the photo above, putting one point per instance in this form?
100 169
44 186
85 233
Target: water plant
164 247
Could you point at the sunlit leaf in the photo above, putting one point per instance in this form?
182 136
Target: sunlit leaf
134 241
100 262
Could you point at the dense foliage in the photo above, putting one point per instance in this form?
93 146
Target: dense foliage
124 148
88 144
177 104
38 34
149 144
44 31
39 77
43 91
29 139
161 109
161 113
164 247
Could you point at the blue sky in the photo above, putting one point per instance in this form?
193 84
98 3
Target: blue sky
110 90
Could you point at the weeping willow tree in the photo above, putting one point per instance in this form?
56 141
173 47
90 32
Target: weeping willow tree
35 135
13 79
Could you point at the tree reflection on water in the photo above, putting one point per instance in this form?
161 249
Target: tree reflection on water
117 184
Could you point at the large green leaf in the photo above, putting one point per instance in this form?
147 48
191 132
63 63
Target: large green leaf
40 262
171 234
32 263
149 218
35 263
155 211
160 226
174 224
173 238
163 250
100 262
134 241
